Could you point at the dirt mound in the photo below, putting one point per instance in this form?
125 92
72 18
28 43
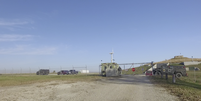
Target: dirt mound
178 59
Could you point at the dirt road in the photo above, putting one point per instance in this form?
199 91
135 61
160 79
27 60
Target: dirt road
125 88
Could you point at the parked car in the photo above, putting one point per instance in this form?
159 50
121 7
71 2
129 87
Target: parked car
197 69
63 72
73 72
43 72
148 73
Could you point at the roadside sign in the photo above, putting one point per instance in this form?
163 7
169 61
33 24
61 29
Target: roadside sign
133 69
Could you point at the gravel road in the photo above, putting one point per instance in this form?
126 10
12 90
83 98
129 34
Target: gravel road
125 88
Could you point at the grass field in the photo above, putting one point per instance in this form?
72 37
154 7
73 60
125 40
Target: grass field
186 91
193 77
186 88
178 60
20 79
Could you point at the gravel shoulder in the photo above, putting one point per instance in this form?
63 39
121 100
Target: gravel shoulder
125 88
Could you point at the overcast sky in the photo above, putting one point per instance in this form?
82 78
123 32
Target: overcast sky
64 33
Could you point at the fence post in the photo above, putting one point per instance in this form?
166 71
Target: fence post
99 69
39 71
49 70
166 76
152 68
12 70
60 71
86 69
133 67
124 70
194 75
173 78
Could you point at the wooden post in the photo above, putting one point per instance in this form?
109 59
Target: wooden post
194 75
173 78
124 70
161 74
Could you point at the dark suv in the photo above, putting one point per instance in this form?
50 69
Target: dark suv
73 72
63 72
179 71
43 72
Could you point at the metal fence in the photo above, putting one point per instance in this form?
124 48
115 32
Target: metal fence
31 70
192 76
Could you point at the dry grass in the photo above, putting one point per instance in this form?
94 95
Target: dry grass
179 60
185 88
12 80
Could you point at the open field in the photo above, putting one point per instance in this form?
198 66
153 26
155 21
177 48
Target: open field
124 88
20 79
186 88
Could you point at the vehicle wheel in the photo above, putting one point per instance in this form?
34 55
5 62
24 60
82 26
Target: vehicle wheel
157 73
178 75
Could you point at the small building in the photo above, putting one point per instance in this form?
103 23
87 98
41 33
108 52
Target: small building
191 63
84 71
179 57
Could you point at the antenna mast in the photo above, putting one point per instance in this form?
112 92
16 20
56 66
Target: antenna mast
112 56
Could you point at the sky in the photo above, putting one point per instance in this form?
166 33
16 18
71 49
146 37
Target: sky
60 34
